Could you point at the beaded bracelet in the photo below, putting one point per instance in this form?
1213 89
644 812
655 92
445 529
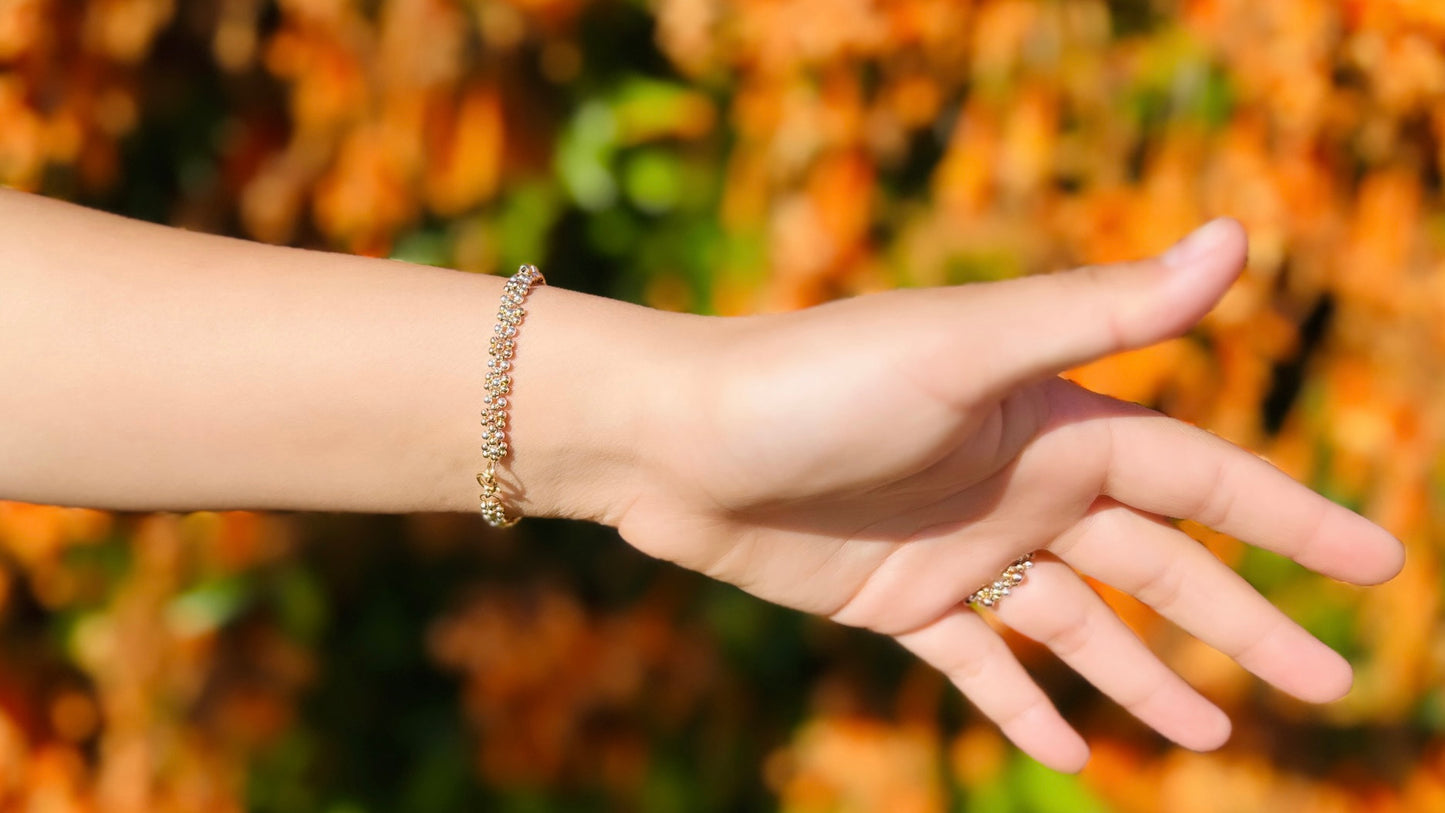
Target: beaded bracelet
499 383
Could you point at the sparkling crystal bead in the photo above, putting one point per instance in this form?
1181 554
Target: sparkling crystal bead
501 347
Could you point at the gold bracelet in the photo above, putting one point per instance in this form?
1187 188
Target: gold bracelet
499 383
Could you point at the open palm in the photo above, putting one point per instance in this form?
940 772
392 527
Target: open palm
876 460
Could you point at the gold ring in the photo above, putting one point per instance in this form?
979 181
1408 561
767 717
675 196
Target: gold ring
1011 577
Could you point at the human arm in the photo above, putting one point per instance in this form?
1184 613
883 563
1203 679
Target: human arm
145 368
872 460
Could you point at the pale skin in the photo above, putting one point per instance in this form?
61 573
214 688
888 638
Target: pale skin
872 460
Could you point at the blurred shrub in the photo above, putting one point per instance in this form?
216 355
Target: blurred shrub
728 157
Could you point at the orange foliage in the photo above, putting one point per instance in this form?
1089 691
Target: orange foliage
165 722
852 763
1059 141
555 693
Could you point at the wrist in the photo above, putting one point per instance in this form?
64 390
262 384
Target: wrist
595 383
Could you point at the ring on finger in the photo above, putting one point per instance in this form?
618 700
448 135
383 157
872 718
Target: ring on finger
1012 576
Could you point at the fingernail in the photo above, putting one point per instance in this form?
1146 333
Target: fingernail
1198 244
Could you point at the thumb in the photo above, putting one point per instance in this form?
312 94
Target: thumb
1045 324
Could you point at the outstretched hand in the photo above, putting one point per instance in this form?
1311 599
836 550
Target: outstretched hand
876 460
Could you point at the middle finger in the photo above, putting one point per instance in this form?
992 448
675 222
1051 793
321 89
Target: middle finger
1055 607
1166 569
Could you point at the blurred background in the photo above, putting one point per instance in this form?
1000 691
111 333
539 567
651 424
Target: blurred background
731 157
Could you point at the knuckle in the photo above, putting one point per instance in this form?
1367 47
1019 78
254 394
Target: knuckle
1103 521
1162 588
1245 651
1072 636
1216 504
968 670
1147 694
1014 713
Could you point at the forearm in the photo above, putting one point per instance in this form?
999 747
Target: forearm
150 368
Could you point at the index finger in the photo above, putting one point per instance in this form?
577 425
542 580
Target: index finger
1173 469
